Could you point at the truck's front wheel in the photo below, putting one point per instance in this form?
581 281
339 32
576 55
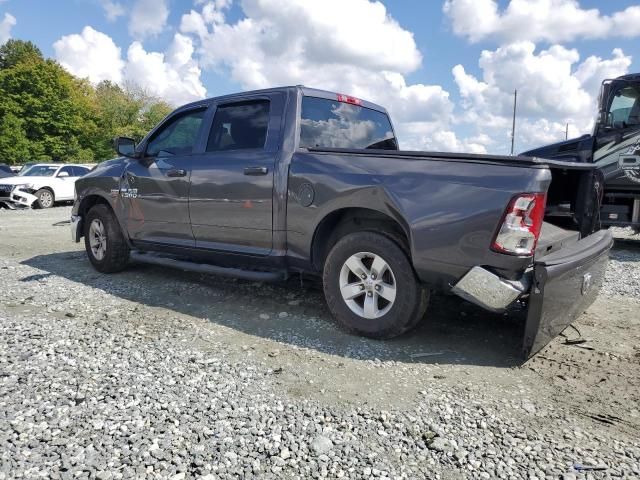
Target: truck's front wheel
106 247
371 288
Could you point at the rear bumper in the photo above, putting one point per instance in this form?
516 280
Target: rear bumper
490 291
565 284
560 287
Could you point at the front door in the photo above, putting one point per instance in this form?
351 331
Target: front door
157 185
231 197
65 183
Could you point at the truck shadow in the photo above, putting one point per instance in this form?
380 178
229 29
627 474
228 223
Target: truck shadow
454 332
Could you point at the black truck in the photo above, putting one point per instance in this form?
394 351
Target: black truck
265 184
614 147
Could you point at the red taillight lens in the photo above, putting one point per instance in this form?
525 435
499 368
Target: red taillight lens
348 99
520 228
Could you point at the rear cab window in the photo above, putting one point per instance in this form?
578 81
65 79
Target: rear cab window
335 124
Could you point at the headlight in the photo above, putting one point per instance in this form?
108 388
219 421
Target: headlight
24 186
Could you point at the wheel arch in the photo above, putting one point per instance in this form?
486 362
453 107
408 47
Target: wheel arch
343 221
90 201
47 188
97 198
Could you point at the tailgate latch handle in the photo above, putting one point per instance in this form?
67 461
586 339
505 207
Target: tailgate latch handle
256 171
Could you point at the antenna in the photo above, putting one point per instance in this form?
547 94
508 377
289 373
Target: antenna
566 133
513 126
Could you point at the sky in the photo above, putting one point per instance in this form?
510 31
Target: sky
445 69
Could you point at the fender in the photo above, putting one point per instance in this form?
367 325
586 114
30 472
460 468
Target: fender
104 182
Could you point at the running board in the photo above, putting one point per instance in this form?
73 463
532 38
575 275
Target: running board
163 261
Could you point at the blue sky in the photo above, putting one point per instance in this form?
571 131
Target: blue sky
434 101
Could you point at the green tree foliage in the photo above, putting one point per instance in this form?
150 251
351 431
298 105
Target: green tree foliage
17 51
48 114
127 112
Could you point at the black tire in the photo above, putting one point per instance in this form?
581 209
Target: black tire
45 198
116 254
411 298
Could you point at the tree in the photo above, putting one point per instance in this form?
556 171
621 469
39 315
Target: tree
48 114
49 109
17 51
125 111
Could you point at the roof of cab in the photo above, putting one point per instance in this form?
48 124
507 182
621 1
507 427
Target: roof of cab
306 91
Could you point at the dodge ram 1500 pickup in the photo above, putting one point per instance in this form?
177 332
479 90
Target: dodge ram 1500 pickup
264 184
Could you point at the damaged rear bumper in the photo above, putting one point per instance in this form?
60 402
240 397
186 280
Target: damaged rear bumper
557 290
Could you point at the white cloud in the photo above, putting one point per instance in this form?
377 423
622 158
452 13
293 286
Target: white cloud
112 9
553 89
90 54
173 75
348 46
431 136
7 23
148 18
538 20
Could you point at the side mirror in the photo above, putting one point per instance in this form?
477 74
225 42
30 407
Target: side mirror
125 146
63 174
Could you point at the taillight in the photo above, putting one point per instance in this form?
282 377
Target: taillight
348 99
521 225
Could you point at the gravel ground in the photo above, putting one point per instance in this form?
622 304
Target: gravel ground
153 373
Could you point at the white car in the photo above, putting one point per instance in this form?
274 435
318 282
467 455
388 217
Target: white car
41 185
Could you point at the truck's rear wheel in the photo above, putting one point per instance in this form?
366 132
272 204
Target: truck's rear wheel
371 288
105 245
45 198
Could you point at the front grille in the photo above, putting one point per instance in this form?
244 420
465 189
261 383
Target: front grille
5 190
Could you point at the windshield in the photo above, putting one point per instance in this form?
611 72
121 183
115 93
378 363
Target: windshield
39 171
334 124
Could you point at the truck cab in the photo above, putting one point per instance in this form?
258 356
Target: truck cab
614 147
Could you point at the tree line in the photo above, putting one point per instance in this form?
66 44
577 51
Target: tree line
47 114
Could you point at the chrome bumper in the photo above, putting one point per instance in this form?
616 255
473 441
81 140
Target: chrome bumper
76 228
488 290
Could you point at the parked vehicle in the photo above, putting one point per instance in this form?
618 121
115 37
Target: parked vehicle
21 169
6 170
41 185
263 184
614 147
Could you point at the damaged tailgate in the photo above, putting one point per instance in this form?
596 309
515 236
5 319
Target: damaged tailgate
565 283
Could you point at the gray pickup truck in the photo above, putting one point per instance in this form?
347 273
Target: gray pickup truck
264 184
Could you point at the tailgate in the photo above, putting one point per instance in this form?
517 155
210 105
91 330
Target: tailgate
565 283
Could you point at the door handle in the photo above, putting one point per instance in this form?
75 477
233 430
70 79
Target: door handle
178 172
256 171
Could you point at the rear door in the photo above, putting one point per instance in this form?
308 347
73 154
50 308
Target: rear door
157 185
231 196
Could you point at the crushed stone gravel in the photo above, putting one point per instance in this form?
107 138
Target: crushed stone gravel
106 377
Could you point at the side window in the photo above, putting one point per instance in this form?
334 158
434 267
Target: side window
625 107
80 171
178 136
239 126
68 170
